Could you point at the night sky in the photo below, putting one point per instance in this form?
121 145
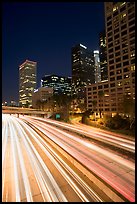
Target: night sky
45 33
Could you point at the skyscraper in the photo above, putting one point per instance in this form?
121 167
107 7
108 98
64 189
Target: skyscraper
120 38
82 68
120 41
103 56
27 82
97 66
59 84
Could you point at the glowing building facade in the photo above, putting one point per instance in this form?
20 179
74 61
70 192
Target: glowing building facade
27 82
97 66
83 69
120 46
59 84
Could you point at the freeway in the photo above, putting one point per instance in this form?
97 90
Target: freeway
25 149
115 170
33 170
114 139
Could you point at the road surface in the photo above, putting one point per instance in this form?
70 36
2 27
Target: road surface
34 170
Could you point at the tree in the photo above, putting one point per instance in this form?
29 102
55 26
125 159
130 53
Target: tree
82 105
62 103
101 95
50 104
85 115
129 108
38 104
94 102
128 105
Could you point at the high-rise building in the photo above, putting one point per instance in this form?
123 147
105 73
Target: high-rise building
103 56
97 66
27 82
82 68
120 37
120 41
60 84
41 94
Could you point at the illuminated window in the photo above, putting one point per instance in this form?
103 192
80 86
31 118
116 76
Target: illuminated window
123 15
115 8
106 95
133 54
101 44
119 71
133 68
119 83
126 76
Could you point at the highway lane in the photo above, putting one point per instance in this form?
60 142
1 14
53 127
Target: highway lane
117 140
115 170
32 170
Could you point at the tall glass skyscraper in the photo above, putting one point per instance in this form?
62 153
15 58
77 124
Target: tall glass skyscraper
97 66
82 68
27 82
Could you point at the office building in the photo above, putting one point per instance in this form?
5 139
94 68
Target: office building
59 84
83 69
97 66
41 94
103 56
27 82
120 40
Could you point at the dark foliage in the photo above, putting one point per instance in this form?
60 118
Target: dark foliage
117 122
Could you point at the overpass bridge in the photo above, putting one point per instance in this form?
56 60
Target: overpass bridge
25 111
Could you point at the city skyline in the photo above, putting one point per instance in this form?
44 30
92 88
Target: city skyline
45 33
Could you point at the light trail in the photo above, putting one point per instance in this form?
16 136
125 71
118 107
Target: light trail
7 151
113 139
4 139
41 143
41 177
106 153
15 166
121 183
28 164
22 166
50 183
